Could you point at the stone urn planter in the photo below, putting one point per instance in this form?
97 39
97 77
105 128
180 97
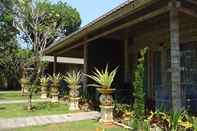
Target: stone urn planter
55 92
44 87
24 86
74 97
55 79
104 80
73 80
44 90
106 106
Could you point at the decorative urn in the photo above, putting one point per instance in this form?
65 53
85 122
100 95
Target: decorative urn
55 92
106 106
74 97
44 90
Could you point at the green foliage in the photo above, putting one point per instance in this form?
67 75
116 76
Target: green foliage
194 121
123 108
104 78
40 23
73 78
139 106
44 80
38 109
84 125
140 125
9 61
23 54
55 78
173 121
174 118
7 31
42 20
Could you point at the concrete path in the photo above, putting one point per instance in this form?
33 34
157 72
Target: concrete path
21 101
20 122
4 92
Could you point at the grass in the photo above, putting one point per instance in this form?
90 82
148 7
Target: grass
87 125
14 95
44 108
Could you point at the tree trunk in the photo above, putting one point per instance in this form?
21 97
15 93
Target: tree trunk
29 105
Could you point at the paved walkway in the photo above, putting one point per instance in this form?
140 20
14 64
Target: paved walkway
4 92
20 122
22 101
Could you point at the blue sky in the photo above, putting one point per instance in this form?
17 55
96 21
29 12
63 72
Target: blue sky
91 9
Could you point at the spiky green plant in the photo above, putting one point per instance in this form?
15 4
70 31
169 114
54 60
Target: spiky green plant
175 118
103 78
73 78
44 79
194 122
55 78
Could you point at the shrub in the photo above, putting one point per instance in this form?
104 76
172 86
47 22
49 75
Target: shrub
139 106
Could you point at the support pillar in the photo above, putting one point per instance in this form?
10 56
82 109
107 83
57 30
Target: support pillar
85 66
175 56
126 61
54 64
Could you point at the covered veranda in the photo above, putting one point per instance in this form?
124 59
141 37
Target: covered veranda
167 27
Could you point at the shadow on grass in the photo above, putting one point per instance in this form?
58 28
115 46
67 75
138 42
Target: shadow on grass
42 106
2 108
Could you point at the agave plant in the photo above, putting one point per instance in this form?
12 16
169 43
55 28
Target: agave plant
73 78
194 121
103 78
44 80
55 78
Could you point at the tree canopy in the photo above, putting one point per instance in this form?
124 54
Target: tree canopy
8 44
9 61
40 22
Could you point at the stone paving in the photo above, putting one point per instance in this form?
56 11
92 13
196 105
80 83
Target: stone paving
20 122
6 92
21 101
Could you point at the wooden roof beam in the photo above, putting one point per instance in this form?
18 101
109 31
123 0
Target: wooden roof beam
192 2
188 12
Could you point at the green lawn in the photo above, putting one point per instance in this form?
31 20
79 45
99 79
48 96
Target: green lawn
88 125
44 108
14 95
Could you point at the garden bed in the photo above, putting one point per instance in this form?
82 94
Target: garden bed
88 125
42 108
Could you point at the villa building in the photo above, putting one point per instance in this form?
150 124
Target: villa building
167 27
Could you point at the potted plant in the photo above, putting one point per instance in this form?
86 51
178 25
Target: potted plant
44 86
55 79
73 80
104 80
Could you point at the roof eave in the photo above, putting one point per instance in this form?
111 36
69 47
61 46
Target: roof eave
102 21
